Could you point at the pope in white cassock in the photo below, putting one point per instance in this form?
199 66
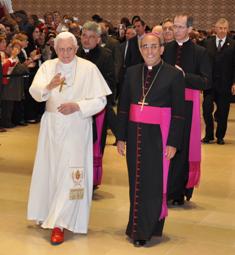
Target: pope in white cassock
61 187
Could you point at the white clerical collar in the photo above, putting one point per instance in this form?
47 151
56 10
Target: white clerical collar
86 50
68 65
149 67
222 41
182 42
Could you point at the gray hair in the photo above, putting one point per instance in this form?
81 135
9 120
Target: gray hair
222 21
189 22
92 26
64 36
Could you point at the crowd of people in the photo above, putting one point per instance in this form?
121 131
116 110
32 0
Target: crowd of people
71 76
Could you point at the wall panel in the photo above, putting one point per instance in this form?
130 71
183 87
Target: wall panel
153 11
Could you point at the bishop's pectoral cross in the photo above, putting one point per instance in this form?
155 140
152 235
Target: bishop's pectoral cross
62 84
142 103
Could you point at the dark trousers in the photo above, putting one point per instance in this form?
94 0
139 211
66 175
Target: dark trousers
222 102
7 110
110 121
18 112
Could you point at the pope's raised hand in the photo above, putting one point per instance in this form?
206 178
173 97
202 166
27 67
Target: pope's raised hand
56 81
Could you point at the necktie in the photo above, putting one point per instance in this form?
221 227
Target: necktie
219 45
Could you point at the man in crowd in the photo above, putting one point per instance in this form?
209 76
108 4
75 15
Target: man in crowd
193 61
157 29
102 58
221 50
130 33
62 180
167 28
150 125
133 55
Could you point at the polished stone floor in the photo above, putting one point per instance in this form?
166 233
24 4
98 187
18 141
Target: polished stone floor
204 226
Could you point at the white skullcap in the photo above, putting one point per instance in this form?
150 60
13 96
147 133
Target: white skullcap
65 35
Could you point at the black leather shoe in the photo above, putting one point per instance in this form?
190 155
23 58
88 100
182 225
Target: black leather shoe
32 121
220 141
207 140
178 202
22 123
139 243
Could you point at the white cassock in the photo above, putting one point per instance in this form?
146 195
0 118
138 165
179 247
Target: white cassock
64 158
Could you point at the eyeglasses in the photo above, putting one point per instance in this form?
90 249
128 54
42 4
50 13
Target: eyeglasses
89 37
175 27
150 46
167 28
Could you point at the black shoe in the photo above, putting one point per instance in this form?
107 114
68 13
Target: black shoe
32 121
22 123
9 125
139 243
3 129
95 187
207 140
178 202
220 141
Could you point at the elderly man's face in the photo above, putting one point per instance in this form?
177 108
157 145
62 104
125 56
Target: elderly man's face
130 32
221 29
181 31
168 33
89 39
151 50
66 50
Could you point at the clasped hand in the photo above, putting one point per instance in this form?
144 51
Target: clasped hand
68 108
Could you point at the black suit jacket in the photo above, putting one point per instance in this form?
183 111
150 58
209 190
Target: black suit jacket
223 64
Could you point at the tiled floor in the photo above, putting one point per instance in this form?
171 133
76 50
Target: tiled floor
204 226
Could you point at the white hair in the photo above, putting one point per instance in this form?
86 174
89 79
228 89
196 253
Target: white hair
64 36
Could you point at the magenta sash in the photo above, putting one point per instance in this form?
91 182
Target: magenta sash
97 152
195 139
161 116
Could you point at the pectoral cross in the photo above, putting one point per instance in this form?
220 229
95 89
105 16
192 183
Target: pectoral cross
61 85
142 103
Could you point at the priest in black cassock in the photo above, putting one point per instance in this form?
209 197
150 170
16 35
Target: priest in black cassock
102 58
193 60
150 126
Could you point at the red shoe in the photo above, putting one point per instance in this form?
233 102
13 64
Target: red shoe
57 236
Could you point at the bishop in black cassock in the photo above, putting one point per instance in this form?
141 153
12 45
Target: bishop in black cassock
148 90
